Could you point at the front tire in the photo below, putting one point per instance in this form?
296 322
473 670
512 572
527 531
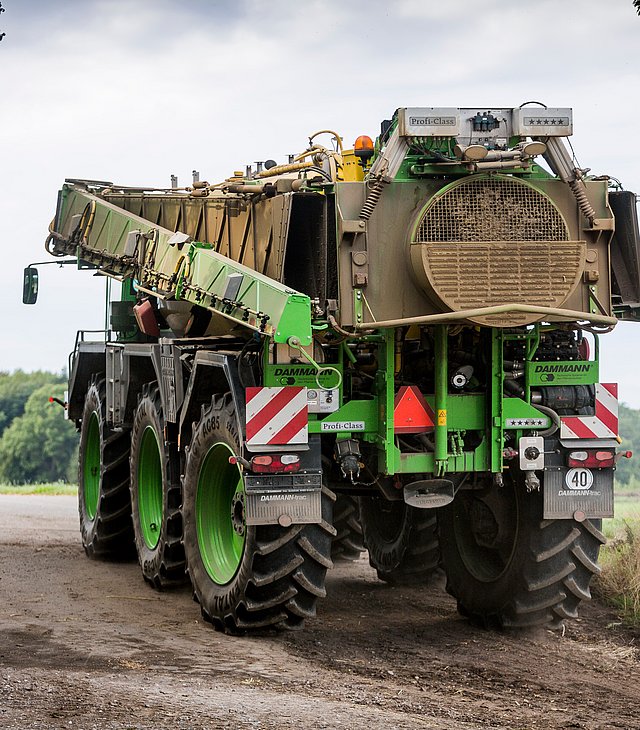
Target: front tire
245 577
155 494
402 540
506 566
103 479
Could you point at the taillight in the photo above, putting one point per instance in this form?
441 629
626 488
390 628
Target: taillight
290 459
591 458
275 463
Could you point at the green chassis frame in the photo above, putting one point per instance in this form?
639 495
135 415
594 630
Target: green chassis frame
455 414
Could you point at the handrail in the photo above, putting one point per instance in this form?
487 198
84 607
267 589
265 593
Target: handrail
568 314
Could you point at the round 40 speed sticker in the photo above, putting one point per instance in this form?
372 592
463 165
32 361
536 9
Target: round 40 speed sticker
579 478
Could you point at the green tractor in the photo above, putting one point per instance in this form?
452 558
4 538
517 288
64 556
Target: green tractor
393 347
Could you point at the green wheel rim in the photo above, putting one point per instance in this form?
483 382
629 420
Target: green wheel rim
220 514
91 467
150 488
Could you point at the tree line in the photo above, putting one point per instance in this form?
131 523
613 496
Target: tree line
37 444
628 471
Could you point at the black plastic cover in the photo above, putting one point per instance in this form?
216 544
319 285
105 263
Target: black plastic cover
625 250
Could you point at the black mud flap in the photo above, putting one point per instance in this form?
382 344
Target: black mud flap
578 493
283 499
429 493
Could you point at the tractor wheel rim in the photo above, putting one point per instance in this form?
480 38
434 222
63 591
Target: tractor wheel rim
150 488
220 514
91 467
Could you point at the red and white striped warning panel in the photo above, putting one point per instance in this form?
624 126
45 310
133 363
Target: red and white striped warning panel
277 417
604 424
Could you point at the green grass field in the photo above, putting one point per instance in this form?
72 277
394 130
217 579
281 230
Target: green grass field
627 510
627 505
53 489
619 582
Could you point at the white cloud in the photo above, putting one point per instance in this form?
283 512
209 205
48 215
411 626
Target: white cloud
134 90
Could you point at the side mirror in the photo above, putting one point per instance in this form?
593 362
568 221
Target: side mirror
30 285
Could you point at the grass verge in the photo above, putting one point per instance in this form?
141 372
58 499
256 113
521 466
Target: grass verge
54 489
619 582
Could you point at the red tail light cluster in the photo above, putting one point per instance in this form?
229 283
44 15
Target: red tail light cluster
591 458
275 463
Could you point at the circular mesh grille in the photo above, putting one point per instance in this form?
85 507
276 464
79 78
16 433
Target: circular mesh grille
490 241
491 209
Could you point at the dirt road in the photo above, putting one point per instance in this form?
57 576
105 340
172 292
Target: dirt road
88 645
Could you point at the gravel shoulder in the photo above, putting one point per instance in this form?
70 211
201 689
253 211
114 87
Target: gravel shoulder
88 644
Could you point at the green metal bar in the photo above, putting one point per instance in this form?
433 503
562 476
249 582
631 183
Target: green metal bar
464 412
468 461
385 386
358 305
346 351
441 334
532 346
533 342
497 377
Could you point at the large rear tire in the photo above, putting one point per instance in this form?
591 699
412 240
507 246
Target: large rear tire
155 494
103 479
506 566
402 540
348 544
245 577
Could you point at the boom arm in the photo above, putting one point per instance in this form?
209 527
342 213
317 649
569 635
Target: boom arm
170 265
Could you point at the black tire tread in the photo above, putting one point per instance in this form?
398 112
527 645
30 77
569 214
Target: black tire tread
109 536
554 574
414 555
165 565
348 543
283 571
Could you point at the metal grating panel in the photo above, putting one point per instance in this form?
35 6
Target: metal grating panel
488 241
491 209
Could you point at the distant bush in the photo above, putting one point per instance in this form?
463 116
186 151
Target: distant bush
15 389
38 445
628 470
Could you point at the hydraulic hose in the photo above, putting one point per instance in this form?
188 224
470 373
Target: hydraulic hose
281 169
335 135
555 419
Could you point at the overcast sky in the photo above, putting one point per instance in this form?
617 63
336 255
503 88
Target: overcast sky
134 90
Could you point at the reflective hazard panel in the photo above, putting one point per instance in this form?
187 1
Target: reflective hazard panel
603 424
412 413
277 416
